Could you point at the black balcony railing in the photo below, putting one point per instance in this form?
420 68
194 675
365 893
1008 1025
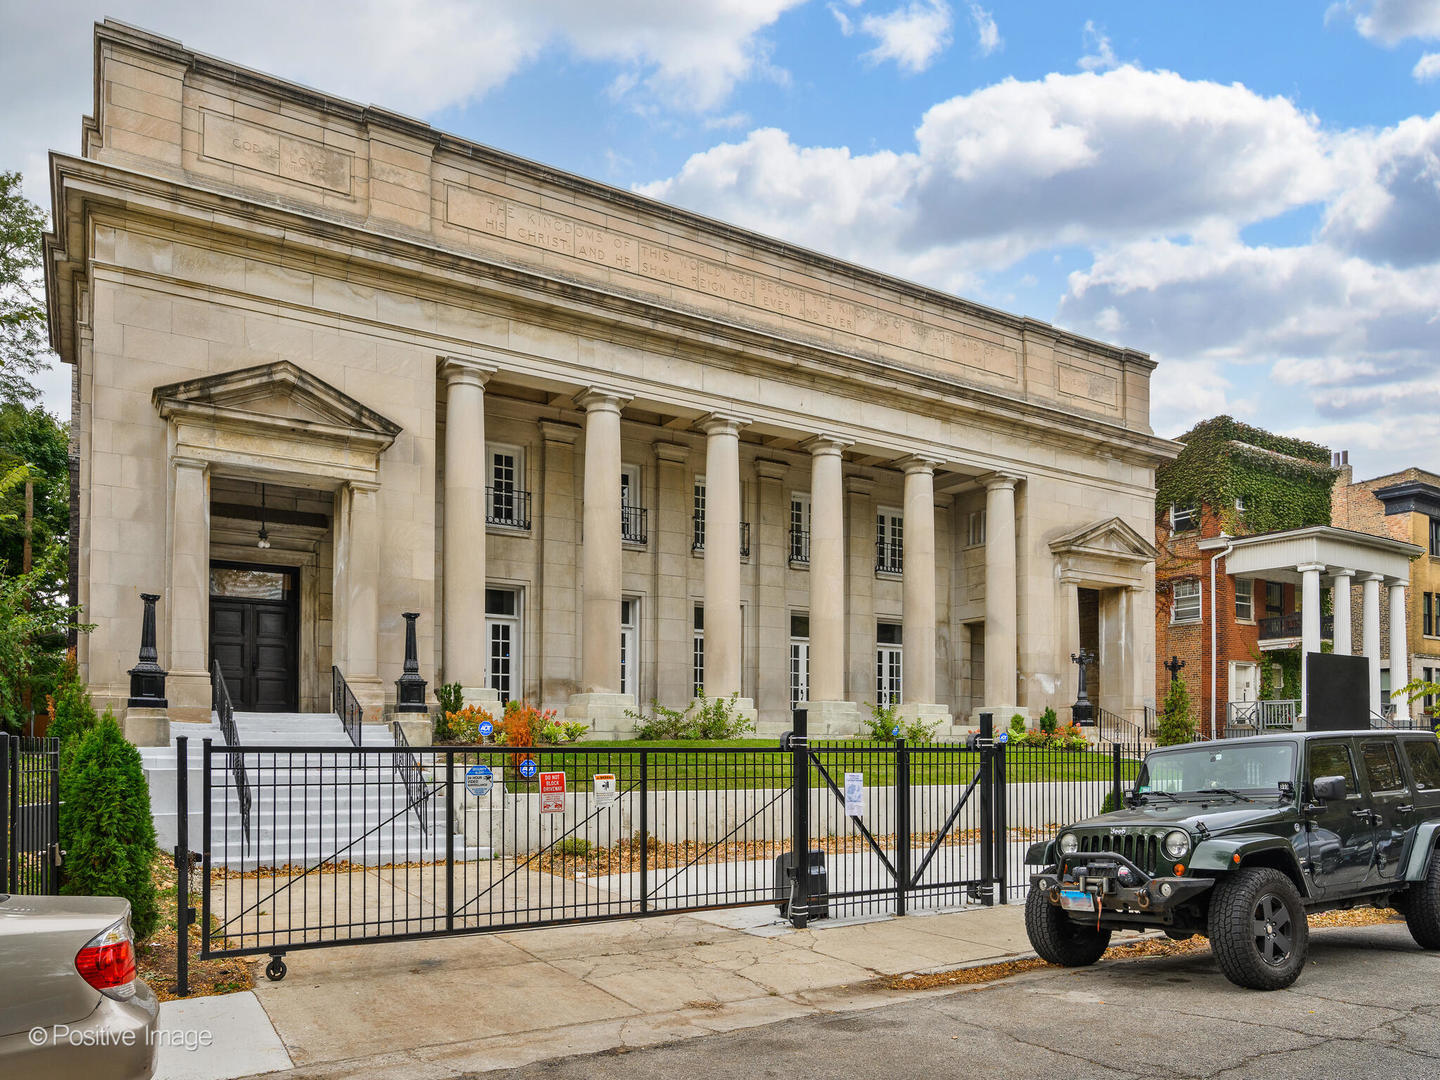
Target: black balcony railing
799 544
633 529
698 533
507 506
1291 626
889 557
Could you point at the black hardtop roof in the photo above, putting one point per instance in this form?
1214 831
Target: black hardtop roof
1290 736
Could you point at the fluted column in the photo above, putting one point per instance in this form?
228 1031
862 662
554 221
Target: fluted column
1309 624
462 641
918 633
1340 594
1370 632
1399 652
600 543
1001 646
722 554
827 569
188 605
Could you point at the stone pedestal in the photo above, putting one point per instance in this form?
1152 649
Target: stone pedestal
833 719
1002 715
419 730
188 694
928 713
483 697
605 713
147 727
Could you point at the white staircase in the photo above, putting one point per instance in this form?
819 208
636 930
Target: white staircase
304 808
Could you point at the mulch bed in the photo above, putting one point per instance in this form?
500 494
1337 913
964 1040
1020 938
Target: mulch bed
156 956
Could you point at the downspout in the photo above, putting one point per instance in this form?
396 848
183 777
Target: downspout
1214 625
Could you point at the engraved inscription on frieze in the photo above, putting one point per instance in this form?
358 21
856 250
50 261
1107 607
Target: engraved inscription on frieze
1093 386
498 216
277 153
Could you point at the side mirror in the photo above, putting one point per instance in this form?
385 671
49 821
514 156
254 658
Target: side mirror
1327 788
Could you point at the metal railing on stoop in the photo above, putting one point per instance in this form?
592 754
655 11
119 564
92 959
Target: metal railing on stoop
225 711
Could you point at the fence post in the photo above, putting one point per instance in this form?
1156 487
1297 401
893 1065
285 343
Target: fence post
902 824
986 743
449 839
1115 785
182 866
7 813
644 832
1002 826
56 855
800 820
206 827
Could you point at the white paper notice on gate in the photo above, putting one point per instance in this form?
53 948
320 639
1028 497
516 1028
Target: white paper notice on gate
605 790
552 792
855 794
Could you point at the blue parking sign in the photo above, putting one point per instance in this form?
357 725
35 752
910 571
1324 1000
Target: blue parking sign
528 768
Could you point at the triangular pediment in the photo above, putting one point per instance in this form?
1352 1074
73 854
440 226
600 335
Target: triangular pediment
1109 537
275 395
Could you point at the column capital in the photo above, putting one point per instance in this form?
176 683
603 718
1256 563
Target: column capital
459 370
770 469
669 451
919 463
1310 568
1338 574
1379 578
719 423
602 399
826 444
559 431
190 463
364 486
999 481
1398 584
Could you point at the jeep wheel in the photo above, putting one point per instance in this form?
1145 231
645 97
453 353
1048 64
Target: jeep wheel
1422 907
1058 938
1258 929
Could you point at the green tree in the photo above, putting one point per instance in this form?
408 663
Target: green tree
33 437
1176 723
23 341
105 825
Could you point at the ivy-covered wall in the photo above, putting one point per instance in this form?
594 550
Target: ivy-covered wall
1283 483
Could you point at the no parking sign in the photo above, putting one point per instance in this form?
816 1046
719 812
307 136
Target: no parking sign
552 792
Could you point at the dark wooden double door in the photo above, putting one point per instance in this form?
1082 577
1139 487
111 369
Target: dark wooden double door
256 643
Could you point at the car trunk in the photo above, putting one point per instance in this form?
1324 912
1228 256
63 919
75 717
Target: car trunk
39 937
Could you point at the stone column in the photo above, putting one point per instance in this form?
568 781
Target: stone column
918 632
722 557
188 607
1399 652
600 702
859 594
1001 646
462 637
362 600
772 566
551 633
1340 591
829 712
1309 623
670 533
1370 632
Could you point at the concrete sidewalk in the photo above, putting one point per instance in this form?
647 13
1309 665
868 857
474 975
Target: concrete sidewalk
445 1007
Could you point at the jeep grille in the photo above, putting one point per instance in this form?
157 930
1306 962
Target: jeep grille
1142 849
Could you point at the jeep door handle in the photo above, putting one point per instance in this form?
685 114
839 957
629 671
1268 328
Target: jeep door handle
1363 815
1405 809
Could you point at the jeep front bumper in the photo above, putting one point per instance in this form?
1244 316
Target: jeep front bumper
1118 886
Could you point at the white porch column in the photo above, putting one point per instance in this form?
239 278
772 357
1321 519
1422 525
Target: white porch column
1309 622
918 631
1340 592
1001 652
829 713
362 599
188 614
722 556
462 642
1370 633
1399 652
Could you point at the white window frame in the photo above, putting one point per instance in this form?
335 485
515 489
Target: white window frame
1248 600
889 670
697 648
698 501
514 625
516 482
975 529
630 477
799 662
1176 619
1191 514
799 519
630 659
890 531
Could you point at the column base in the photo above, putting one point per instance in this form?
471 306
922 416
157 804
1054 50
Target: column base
147 727
1002 715
482 697
369 691
930 714
419 731
188 695
833 719
605 713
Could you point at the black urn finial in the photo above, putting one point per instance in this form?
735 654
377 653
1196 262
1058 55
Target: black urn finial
410 687
147 678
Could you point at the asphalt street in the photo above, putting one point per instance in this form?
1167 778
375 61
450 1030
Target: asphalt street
1368 1006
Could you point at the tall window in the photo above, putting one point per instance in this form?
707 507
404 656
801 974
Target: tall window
1435 537
975 529
632 513
1274 598
507 501
1184 517
799 659
1245 599
502 636
698 541
629 646
697 651
799 527
888 663
1187 602
889 541
1427 608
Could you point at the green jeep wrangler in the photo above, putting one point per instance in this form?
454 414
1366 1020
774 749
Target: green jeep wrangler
1239 840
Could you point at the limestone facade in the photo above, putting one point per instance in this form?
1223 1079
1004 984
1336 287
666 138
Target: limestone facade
562 422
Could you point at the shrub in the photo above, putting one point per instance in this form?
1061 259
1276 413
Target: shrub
1110 804
1049 721
1176 723
703 718
515 731
105 824
884 722
462 726
451 697
574 845
1017 727
72 715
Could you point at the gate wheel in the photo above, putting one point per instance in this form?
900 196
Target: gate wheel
275 970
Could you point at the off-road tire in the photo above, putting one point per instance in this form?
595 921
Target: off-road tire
1422 907
1258 929
1058 938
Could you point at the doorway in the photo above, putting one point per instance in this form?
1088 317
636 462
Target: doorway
254 619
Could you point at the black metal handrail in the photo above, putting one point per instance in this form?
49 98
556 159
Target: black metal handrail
799 544
507 506
408 769
889 557
1116 728
698 534
1292 626
633 524
347 707
225 712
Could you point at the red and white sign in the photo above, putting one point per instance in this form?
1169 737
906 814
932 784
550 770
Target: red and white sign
552 792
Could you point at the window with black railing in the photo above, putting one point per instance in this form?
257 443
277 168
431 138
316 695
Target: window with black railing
799 544
633 524
889 557
698 533
508 506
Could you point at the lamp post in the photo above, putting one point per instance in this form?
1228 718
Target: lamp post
410 687
147 677
1173 665
1083 712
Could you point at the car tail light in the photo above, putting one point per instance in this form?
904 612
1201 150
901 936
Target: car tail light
107 962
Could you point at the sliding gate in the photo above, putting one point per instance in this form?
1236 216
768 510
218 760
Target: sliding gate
310 847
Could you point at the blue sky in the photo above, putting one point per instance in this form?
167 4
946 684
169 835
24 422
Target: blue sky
1250 191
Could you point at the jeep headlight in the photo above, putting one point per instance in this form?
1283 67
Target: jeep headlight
1177 843
1068 843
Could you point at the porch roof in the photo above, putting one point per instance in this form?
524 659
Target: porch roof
1278 556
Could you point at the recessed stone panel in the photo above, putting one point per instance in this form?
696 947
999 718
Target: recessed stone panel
265 150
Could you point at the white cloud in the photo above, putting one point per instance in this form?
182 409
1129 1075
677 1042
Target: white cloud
1426 68
987 34
912 36
1392 21
1390 209
1100 55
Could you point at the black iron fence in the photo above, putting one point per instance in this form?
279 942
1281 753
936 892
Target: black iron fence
346 706
509 506
225 712
30 809
889 557
799 544
633 529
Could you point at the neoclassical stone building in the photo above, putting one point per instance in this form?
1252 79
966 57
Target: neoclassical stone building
332 365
